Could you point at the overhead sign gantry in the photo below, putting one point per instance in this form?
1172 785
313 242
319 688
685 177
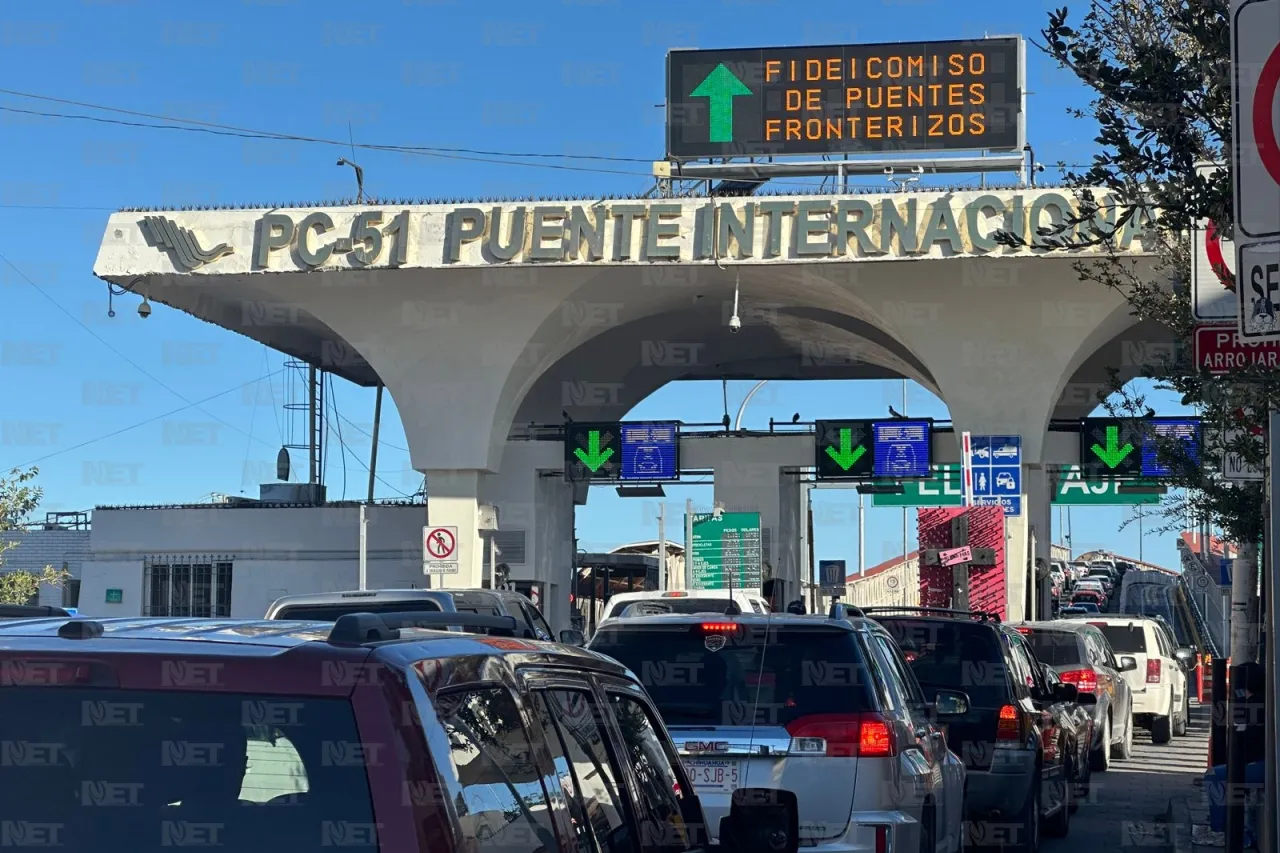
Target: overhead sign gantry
897 449
622 451
1124 448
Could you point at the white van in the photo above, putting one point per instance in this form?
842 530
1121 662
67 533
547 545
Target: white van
684 601
1161 700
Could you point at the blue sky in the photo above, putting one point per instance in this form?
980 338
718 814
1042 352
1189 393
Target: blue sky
580 77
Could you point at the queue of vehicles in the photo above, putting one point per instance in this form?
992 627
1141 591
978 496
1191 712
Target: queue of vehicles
446 720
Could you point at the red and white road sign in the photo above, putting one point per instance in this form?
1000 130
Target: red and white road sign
1213 268
1219 350
1255 42
440 550
955 556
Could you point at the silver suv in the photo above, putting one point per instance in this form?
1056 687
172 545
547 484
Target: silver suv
823 706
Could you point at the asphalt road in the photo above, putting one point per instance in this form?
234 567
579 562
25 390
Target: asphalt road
1127 802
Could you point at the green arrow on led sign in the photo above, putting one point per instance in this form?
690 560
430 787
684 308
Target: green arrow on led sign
848 455
1114 453
720 87
593 457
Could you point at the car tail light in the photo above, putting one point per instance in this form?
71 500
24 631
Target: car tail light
55 673
882 839
675 594
719 627
1026 632
865 735
1009 727
1085 680
1153 671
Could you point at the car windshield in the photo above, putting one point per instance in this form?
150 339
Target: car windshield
209 769
712 678
953 655
1056 648
331 612
686 606
1126 639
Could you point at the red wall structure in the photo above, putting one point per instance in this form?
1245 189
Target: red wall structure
987 591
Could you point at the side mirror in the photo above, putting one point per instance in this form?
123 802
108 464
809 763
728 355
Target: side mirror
761 820
572 637
1063 692
1128 663
1186 656
951 703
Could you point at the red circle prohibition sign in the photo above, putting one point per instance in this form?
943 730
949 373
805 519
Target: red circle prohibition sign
1264 102
440 544
1217 260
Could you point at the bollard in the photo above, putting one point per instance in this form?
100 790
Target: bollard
1218 725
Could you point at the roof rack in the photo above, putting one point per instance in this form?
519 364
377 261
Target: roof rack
839 610
356 629
980 615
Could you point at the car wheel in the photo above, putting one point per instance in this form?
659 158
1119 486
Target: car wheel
1028 823
1060 824
1162 728
1100 758
1124 749
928 829
1184 718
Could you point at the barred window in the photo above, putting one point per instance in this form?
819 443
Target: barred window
187 586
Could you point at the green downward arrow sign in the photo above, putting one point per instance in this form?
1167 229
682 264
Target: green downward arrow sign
593 457
847 455
1113 454
720 87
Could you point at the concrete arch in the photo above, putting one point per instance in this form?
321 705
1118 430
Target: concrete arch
1145 343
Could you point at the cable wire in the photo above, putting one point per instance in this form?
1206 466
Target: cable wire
381 442
123 430
121 355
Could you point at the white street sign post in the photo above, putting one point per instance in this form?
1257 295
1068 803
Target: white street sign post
1255 54
439 550
1233 465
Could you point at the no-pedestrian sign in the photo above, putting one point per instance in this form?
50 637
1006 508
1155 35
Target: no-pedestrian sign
440 550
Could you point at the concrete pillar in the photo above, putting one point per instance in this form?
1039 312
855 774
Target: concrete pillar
453 501
742 484
1038 508
552 536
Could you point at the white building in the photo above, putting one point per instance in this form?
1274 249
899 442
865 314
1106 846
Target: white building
235 559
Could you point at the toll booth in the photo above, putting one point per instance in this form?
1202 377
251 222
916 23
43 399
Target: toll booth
599 576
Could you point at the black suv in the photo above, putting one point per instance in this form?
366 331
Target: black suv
1015 742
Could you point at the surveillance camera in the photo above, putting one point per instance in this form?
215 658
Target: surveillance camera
144 310
919 170
888 170
735 324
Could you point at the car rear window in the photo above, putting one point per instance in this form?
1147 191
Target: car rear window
1055 648
953 655
181 768
686 606
331 612
756 677
1125 639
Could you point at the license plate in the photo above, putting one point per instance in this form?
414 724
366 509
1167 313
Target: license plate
714 775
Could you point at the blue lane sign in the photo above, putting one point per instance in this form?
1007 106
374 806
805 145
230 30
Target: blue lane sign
832 573
1167 429
996 461
902 449
650 451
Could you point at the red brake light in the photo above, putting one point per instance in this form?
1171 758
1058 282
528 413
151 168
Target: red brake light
719 627
675 594
1085 680
55 673
1153 671
1098 624
1024 631
882 839
865 735
1010 724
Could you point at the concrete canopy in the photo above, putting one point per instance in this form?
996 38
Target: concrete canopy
474 322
